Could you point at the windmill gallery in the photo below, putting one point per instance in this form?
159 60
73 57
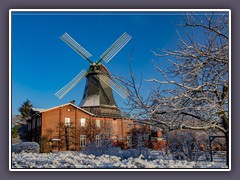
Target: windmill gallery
97 118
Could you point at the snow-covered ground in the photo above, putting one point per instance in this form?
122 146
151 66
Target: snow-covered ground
29 147
74 159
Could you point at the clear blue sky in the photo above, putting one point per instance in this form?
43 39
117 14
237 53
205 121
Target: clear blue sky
42 63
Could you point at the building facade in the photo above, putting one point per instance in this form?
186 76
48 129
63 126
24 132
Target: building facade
69 127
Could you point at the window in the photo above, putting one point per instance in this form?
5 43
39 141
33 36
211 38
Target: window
98 123
146 137
67 121
140 141
109 124
98 140
129 141
83 122
82 140
128 125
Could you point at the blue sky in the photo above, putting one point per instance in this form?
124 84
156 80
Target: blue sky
42 63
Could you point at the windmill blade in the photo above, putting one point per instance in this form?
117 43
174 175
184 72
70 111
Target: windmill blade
75 46
114 85
62 92
115 48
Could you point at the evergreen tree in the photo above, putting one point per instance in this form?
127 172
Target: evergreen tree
25 109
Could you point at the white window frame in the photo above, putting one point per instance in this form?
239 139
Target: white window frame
83 140
98 123
129 141
83 122
98 141
67 121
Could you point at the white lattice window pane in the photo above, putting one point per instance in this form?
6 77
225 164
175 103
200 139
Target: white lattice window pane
98 140
67 121
98 124
83 122
82 140
129 141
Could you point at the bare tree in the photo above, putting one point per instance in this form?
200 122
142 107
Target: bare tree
192 91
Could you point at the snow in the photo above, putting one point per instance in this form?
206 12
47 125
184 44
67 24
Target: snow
30 147
73 159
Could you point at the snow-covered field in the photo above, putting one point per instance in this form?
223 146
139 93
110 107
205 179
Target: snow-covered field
26 155
74 159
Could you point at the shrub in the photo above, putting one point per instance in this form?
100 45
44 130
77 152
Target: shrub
45 145
28 147
15 131
106 148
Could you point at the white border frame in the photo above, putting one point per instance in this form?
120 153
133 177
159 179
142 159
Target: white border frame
111 10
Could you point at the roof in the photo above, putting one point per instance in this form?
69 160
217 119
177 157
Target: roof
38 109
44 110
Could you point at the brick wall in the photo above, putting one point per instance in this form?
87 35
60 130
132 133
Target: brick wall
53 127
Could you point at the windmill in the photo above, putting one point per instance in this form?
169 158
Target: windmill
98 96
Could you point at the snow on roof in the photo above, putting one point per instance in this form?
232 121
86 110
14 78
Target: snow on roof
38 109
55 139
44 110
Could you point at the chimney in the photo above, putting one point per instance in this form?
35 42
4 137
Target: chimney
72 102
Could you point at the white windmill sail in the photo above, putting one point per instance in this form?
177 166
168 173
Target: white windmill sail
115 47
62 92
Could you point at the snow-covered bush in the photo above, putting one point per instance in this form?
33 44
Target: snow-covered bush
105 148
184 146
28 147
137 152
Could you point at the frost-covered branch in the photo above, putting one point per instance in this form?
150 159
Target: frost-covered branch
194 84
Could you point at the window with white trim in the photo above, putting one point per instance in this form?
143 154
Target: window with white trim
98 140
129 141
98 124
83 122
83 140
67 121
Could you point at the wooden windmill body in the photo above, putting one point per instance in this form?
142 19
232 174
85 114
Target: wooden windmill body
98 96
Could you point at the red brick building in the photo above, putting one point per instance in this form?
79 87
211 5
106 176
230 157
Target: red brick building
69 127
